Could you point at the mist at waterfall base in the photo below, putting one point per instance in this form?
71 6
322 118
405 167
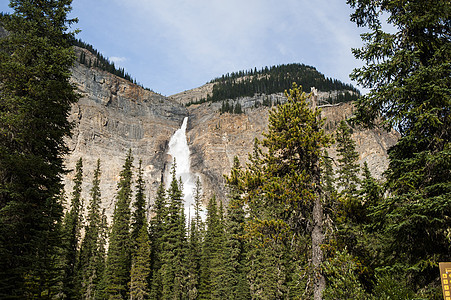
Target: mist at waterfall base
179 150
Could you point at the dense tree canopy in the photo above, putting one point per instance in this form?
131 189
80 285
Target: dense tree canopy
276 79
36 95
408 72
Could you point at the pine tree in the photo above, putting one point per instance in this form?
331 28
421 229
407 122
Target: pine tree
140 271
349 216
209 248
348 166
173 268
71 237
198 206
118 263
283 191
36 97
407 72
195 244
328 177
348 180
92 250
371 190
193 262
218 266
236 246
157 230
139 214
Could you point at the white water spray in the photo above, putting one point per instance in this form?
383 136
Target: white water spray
179 150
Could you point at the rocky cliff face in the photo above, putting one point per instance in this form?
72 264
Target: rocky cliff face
112 117
115 115
216 138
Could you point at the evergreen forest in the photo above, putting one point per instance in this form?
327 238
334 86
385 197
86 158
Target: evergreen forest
276 79
296 224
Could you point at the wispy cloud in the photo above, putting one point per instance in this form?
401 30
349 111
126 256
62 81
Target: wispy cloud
117 59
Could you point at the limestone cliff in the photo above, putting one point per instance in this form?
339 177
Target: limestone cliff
216 138
115 115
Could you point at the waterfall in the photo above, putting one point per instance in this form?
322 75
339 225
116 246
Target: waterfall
179 150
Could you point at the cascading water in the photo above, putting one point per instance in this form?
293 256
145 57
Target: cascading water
179 150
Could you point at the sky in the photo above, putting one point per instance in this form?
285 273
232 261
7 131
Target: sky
171 46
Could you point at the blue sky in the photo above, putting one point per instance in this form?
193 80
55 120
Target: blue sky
174 45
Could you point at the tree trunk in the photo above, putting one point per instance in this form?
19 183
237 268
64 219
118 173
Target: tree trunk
319 283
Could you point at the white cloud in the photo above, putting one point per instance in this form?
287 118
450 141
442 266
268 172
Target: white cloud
117 59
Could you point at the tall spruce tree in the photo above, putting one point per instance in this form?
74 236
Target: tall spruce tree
348 238
36 97
197 196
328 173
371 190
193 262
209 250
173 268
195 244
157 230
236 246
407 72
139 213
348 171
71 235
92 250
348 166
118 263
218 265
140 271
283 191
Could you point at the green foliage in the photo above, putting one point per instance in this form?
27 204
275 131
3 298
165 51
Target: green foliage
348 166
281 189
92 250
140 271
139 213
71 237
211 285
173 258
36 97
231 108
157 230
328 179
408 74
341 272
392 286
268 267
193 262
350 205
275 80
195 244
118 263
236 248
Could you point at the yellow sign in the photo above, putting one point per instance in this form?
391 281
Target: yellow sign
445 275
